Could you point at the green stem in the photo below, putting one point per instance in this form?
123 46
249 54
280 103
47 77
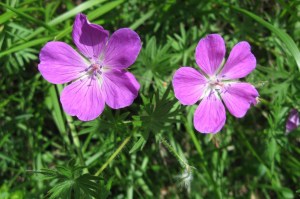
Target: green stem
75 139
202 159
112 157
173 152
196 143
87 141
74 135
57 114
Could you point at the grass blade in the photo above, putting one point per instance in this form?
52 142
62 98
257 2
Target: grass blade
140 21
25 45
56 111
80 8
103 9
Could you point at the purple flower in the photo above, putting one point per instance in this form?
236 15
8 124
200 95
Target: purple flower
214 83
293 121
97 74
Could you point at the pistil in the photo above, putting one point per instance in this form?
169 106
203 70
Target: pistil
94 69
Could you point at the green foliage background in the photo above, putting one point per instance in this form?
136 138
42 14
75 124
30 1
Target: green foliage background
150 149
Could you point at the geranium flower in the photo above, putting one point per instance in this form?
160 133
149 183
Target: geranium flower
97 73
214 83
293 121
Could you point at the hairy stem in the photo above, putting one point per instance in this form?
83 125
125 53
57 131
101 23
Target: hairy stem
173 152
112 157
202 159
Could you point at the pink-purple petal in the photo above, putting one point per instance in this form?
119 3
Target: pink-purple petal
210 53
60 63
293 121
240 63
238 98
210 115
122 49
188 85
83 99
120 87
89 38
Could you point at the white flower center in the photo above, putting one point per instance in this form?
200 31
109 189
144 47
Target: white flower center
215 84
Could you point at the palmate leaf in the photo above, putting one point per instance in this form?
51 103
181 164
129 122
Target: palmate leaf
62 190
183 45
71 183
157 114
154 62
11 34
159 111
112 121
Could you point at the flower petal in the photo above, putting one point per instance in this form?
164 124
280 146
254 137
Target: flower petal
210 115
188 85
60 63
83 99
293 121
238 97
89 38
240 62
120 87
210 53
122 49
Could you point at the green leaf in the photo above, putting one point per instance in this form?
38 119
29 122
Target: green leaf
80 8
140 143
26 16
103 9
25 45
53 104
140 21
69 184
62 190
6 16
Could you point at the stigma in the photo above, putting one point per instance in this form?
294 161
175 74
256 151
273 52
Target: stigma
94 69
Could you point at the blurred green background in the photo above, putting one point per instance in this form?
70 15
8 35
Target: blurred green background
250 158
